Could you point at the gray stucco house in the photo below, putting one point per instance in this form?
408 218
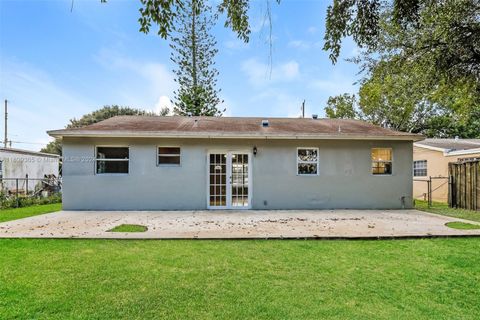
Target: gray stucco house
180 163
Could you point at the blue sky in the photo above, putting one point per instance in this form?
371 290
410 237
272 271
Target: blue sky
57 64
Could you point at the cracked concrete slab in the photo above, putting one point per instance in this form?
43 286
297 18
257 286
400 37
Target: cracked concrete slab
235 224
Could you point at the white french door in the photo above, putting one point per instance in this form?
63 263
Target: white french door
229 180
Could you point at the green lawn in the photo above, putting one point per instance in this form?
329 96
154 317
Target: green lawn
19 213
102 279
462 225
129 228
443 209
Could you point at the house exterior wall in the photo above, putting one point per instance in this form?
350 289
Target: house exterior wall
344 180
18 165
437 166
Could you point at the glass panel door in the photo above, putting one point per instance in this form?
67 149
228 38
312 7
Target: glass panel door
228 185
218 180
239 180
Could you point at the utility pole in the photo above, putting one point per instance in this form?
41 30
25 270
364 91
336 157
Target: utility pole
6 119
303 109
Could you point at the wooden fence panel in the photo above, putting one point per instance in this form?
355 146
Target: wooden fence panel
464 186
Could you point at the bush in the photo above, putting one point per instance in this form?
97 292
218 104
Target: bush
23 201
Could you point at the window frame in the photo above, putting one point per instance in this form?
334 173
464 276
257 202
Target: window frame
308 162
169 155
111 173
426 168
391 162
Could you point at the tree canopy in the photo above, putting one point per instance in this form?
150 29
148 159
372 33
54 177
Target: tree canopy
450 31
411 92
163 13
101 114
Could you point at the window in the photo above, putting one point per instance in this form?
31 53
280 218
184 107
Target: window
420 168
1 169
169 156
307 161
112 160
381 161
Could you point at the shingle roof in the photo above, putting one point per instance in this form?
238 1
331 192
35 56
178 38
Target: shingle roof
448 145
234 127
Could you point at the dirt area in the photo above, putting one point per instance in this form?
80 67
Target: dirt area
235 224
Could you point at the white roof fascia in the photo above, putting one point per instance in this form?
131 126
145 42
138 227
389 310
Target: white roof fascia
420 145
462 152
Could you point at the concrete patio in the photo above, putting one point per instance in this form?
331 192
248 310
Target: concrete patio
235 224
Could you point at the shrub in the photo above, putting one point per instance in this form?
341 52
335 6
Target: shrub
24 201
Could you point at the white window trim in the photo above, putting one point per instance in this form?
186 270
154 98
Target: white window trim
168 155
228 153
109 173
308 162
426 168
391 161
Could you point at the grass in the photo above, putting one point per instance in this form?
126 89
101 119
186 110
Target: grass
462 225
129 228
115 279
19 213
443 209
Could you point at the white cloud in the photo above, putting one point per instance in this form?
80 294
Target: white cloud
335 84
140 83
160 78
37 103
260 73
235 44
304 45
278 103
162 103
312 30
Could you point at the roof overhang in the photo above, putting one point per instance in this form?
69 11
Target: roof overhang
216 135
448 152
462 152
420 145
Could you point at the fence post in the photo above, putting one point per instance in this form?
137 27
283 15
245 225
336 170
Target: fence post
429 190
16 192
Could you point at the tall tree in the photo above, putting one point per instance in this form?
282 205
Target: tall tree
456 47
451 30
101 114
406 91
343 106
164 12
193 52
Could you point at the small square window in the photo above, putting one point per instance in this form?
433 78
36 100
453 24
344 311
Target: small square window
382 161
307 161
420 168
169 156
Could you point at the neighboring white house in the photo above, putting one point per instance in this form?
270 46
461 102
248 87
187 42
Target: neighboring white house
20 164
184 163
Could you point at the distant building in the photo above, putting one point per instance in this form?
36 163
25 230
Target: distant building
20 164
431 158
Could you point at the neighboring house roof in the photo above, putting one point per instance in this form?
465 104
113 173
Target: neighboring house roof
28 152
234 127
451 147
